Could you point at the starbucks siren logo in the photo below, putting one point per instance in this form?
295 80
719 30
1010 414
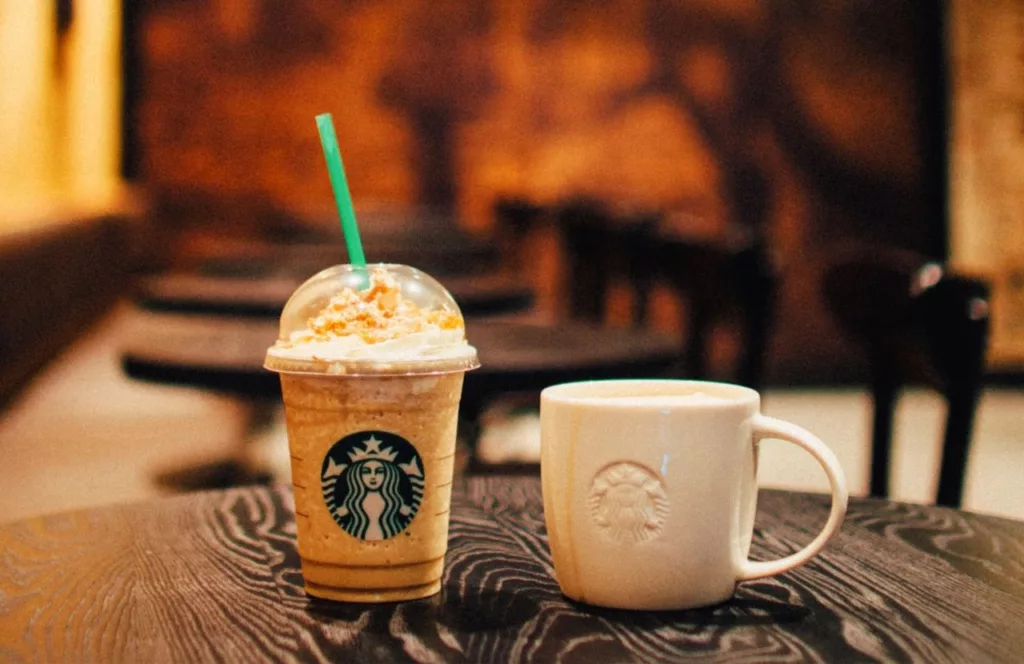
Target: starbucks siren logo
373 484
628 502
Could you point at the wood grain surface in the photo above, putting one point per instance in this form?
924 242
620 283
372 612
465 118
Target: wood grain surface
215 577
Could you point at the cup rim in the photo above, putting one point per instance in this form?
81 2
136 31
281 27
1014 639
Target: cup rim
372 368
602 392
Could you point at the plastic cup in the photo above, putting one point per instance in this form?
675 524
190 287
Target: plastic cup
372 444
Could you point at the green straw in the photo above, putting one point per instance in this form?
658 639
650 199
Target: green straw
340 186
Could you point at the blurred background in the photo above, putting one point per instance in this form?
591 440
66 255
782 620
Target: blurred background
135 136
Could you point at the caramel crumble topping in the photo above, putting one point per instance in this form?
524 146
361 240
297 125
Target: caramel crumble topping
379 313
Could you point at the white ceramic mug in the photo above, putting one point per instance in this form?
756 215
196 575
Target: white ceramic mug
650 488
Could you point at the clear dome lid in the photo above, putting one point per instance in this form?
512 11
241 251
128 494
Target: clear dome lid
415 286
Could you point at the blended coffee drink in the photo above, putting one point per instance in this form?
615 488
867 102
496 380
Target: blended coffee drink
371 361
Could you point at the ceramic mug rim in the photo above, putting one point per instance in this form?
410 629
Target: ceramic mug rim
604 393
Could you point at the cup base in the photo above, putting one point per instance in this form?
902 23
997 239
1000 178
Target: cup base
373 595
626 601
387 583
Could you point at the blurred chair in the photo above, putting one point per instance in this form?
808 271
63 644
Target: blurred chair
720 277
585 232
524 355
601 247
515 219
917 323
728 278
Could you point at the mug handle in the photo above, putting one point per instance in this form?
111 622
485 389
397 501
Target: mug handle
769 427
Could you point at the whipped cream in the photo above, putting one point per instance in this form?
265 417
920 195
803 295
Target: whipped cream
377 325
427 345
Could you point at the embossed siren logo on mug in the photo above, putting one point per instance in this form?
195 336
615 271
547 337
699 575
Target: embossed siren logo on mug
372 483
650 489
628 502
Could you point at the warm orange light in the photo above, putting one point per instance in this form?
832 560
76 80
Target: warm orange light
59 127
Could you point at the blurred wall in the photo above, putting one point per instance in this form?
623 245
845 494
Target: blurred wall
815 121
71 234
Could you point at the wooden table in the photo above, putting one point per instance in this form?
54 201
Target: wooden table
215 577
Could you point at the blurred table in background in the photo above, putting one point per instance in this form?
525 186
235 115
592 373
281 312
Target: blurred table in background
208 325
199 293
256 277
226 354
